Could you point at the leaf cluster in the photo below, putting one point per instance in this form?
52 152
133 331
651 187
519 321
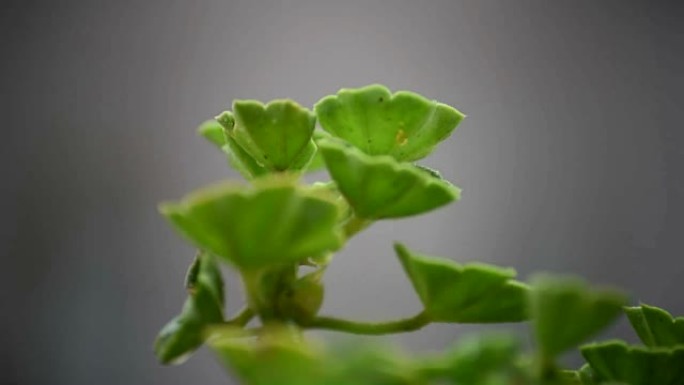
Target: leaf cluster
280 234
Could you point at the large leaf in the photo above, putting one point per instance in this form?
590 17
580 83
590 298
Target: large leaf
379 187
277 135
472 293
204 306
275 358
566 311
404 125
655 326
635 365
254 228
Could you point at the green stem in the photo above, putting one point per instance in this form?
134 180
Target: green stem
263 286
400 326
354 225
252 282
242 318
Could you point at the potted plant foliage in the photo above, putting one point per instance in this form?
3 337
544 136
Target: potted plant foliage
279 233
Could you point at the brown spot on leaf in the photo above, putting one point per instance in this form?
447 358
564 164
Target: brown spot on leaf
401 138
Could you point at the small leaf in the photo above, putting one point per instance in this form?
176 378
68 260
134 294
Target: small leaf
204 306
404 125
635 365
655 326
379 187
566 311
242 161
277 135
254 228
473 293
213 131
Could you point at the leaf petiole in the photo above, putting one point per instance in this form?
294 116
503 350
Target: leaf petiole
242 318
354 225
399 326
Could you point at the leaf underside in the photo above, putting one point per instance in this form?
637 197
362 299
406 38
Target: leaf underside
379 187
473 293
253 228
566 311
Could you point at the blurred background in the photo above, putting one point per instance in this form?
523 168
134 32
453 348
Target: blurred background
570 159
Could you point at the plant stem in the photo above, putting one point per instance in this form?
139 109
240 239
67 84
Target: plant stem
242 318
354 225
400 326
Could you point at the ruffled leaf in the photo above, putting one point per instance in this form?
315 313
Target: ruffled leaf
204 306
566 311
379 187
655 326
635 365
253 228
404 125
472 293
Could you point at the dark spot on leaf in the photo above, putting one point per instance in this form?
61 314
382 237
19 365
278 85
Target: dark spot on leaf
381 99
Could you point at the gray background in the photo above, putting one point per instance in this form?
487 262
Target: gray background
570 158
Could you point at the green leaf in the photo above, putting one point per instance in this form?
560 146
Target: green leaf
587 376
242 161
372 365
273 359
477 360
278 135
655 326
213 131
635 365
317 163
254 228
566 311
379 187
204 306
472 293
404 125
